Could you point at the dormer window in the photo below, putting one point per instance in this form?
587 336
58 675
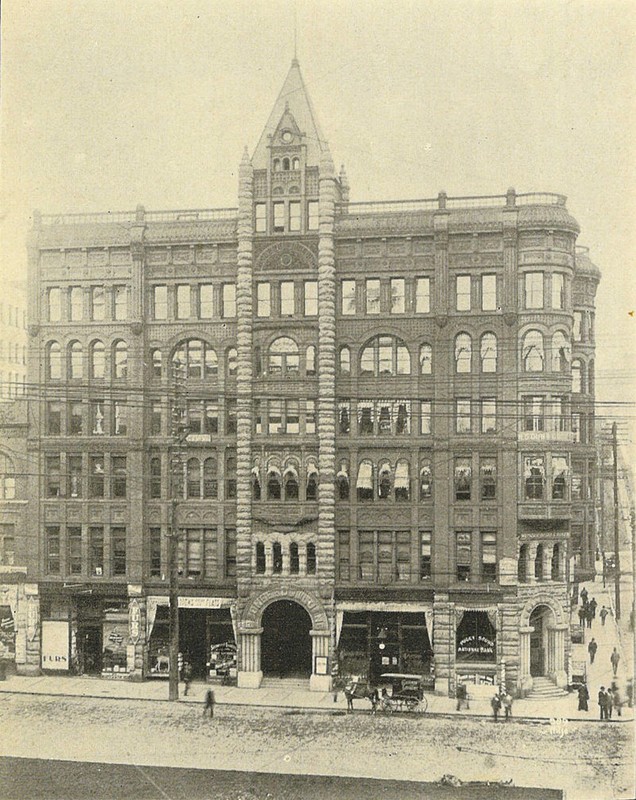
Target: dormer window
295 164
276 165
285 165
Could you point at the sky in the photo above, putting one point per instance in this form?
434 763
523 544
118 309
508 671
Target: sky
107 104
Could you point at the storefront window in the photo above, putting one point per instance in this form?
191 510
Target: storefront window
476 637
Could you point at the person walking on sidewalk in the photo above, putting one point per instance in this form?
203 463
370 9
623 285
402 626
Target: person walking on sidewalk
584 696
588 615
602 703
584 596
592 648
507 705
582 616
593 607
208 704
187 677
495 702
615 658
461 694
603 615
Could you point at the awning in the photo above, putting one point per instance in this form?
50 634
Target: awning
365 476
402 475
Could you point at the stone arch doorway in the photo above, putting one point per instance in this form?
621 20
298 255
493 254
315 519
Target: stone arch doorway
542 620
286 648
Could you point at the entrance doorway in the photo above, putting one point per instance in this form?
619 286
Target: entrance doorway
193 643
89 649
285 641
541 617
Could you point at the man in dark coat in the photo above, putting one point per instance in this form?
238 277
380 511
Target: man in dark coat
593 605
582 616
602 703
588 616
592 648
584 696
208 705
495 702
584 596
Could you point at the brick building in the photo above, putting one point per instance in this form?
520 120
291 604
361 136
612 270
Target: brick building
389 407
13 340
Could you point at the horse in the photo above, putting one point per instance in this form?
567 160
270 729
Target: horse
361 691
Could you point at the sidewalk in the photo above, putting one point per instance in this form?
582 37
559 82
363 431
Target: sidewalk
559 708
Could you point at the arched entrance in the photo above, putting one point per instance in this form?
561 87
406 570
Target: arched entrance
286 642
540 619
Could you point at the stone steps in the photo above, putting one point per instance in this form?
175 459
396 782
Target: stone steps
544 689
290 684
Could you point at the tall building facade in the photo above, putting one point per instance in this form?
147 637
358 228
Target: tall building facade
386 410
13 341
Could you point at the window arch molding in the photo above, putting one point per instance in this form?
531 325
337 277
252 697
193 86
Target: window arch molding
97 358
533 350
384 354
488 352
463 352
119 358
75 352
198 357
561 351
54 360
283 356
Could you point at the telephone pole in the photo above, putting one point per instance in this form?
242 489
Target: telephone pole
617 558
178 431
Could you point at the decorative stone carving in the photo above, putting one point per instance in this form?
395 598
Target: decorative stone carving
282 255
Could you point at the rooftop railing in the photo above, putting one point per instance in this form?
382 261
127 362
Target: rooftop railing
509 200
139 216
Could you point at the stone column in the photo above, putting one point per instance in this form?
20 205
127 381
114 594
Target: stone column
250 674
560 666
320 642
547 561
525 679
532 554
444 646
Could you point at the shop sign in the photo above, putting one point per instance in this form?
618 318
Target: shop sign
203 602
135 622
55 645
476 646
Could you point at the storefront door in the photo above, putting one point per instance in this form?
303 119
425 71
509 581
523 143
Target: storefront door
285 642
193 642
89 649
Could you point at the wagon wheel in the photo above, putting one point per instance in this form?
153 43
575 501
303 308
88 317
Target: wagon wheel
411 704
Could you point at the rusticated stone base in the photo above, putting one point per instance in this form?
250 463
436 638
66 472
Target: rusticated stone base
249 680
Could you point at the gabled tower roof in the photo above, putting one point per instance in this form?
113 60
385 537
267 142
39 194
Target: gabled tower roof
293 99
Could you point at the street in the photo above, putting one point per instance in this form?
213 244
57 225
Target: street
591 761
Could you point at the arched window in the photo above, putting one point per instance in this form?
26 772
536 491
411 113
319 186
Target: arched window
311 558
522 564
54 361
402 481
342 481
555 565
273 483
290 481
532 353
276 165
294 560
7 478
196 358
463 353
295 163
260 558
232 361
76 361
385 355
98 360
256 483
560 352
277 558
345 360
426 480
310 360
364 484
283 357
193 478
577 377
156 358
384 480
311 491
210 479
488 352
538 563
120 359
285 165
426 359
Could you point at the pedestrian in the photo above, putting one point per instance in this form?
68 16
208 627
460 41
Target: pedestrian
617 699
584 696
208 704
495 702
609 702
588 615
615 658
630 692
602 703
582 616
592 648
187 676
603 615
593 607
461 694
584 596
507 705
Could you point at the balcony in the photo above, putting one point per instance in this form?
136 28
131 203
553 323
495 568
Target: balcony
544 509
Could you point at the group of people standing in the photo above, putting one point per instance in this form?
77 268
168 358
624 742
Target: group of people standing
501 699
587 610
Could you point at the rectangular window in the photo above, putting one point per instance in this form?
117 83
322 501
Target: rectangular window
195 416
53 561
155 478
533 419
422 295
559 414
294 215
183 301
74 549
488 556
287 304
558 290
462 415
463 555
463 478
211 418
230 552
156 415
190 552
120 302
488 478
160 302
310 416
75 418
348 297
258 417
426 416
275 416
426 479
559 478
398 296
76 304
96 550
74 476
53 469
230 475
488 414
344 555
54 418
534 477
55 304
279 217
312 215
263 300
118 476
229 300
96 409
311 298
96 476
462 293
488 292
292 417
576 428
98 303
206 301
155 552
426 538
373 295
120 418
366 555
534 289
230 415
366 418
118 544
260 217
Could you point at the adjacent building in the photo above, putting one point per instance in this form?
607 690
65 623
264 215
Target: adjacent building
13 341
375 420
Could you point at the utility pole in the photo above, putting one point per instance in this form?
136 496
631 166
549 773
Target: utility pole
178 432
617 558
